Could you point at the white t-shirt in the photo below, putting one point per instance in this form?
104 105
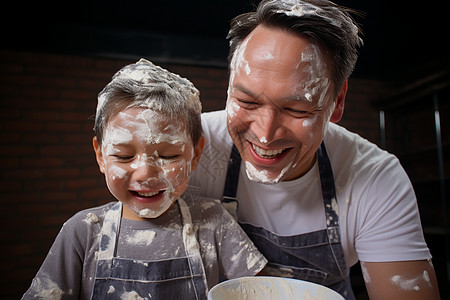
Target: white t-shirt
378 214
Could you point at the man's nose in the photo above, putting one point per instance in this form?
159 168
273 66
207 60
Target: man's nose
267 124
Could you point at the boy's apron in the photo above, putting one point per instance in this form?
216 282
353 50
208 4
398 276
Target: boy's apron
174 278
315 256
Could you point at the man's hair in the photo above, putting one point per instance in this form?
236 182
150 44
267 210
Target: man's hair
324 23
146 85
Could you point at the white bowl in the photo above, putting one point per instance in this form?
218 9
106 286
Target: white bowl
276 288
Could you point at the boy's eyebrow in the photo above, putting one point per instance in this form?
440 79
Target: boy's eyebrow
120 143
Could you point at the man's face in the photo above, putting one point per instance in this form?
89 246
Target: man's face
280 101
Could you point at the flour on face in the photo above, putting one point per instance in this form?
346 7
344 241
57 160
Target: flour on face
116 135
239 62
117 172
232 108
263 176
314 83
143 142
263 140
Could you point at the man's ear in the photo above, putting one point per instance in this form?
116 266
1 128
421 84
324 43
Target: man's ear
197 153
339 102
98 154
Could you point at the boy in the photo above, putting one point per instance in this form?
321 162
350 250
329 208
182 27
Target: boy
159 239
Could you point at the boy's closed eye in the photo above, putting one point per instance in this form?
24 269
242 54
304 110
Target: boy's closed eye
169 156
130 157
123 157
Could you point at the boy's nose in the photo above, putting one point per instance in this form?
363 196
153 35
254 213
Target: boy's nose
146 171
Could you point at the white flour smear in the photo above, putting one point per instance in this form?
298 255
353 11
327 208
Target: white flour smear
47 289
144 237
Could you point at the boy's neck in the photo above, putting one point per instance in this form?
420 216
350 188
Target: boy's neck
131 215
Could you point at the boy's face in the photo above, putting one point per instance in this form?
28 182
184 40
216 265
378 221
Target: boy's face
147 160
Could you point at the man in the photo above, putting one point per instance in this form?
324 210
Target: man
313 197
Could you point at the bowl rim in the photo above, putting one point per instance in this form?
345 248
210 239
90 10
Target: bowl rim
262 278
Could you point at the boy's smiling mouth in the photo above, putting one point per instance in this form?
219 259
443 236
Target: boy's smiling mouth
145 196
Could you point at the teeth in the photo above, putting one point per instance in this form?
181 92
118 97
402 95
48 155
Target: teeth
267 153
147 194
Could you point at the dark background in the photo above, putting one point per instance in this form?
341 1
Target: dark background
56 56
398 35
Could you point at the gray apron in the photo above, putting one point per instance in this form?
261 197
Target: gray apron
176 278
315 256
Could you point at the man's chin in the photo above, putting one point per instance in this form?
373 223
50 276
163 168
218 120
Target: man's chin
264 176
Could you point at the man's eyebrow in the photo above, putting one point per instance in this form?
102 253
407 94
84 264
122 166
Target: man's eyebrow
297 98
245 90
294 98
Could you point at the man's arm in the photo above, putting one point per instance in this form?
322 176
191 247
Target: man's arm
400 280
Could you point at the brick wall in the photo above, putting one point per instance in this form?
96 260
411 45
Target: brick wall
360 115
48 170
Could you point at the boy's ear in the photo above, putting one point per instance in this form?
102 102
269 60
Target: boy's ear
197 153
98 155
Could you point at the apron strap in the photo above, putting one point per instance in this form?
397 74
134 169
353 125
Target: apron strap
110 232
231 181
328 188
192 248
229 201
331 205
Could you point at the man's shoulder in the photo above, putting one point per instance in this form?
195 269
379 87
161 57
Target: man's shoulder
344 145
214 115
218 141
211 170
214 125
357 162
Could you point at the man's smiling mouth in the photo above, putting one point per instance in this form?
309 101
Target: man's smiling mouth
268 154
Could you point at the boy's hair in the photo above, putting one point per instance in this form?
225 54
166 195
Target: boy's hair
144 84
323 22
